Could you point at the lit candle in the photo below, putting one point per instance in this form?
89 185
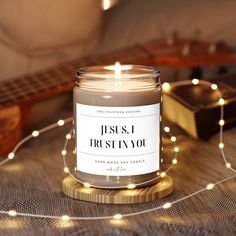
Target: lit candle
117 121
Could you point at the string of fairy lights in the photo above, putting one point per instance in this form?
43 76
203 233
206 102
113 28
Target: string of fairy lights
166 88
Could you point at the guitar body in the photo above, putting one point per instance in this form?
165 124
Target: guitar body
10 128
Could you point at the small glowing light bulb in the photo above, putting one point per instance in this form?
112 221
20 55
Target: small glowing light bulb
221 145
117 216
167 129
65 217
228 165
176 149
66 170
61 122
35 133
214 87
210 186
174 161
11 155
195 81
12 213
87 185
221 122
106 4
163 174
131 186
173 138
166 87
68 136
221 101
167 205
63 152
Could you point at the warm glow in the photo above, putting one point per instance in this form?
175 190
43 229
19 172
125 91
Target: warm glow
173 138
11 155
221 145
210 186
176 149
63 152
167 129
167 205
228 165
61 122
174 161
214 87
163 174
221 122
12 213
221 101
118 68
195 81
131 186
166 87
117 216
65 217
86 185
35 133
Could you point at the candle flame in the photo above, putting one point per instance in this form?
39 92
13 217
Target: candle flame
118 68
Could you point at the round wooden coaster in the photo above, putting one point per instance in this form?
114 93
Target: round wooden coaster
76 190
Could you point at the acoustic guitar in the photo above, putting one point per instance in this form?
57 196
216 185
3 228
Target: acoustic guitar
18 95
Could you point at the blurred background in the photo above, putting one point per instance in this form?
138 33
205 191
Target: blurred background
39 34
43 42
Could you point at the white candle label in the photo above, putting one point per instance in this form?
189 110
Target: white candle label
118 141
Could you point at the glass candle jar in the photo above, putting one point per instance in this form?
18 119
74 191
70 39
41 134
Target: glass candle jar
117 114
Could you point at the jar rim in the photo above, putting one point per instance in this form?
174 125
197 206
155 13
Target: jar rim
130 78
134 72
